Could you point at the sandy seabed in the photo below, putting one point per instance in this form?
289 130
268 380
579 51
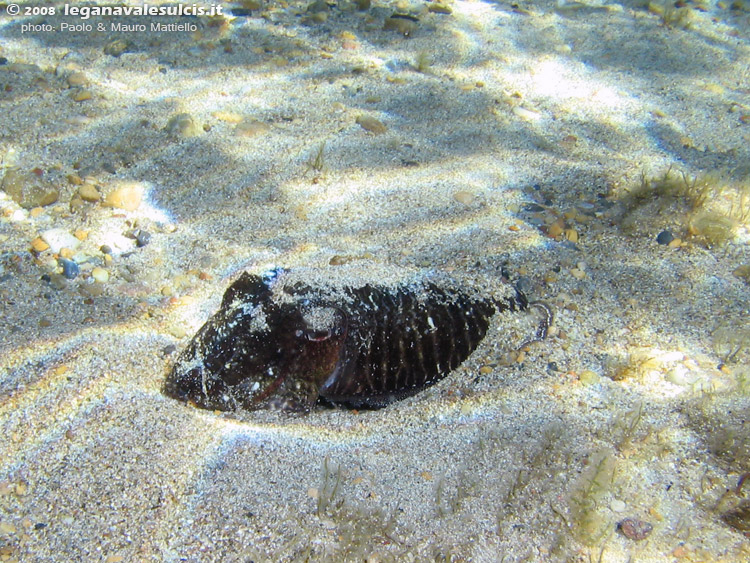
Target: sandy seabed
496 141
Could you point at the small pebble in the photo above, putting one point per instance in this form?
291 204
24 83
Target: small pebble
588 377
228 116
665 237
88 192
339 260
251 128
28 189
38 245
178 331
633 529
91 290
569 142
618 506
371 124
116 48
555 229
100 274
81 95
318 6
182 125
438 8
405 25
742 272
127 197
77 79
463 197
70 268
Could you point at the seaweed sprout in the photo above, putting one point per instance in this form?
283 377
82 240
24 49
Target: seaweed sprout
625 425
741 204
729 340
535 462
671 16
673 185
329 488
724 429
712 228
695 201
742 379
701 187
317 162
358 529
423 62
588 523
450 502
665 189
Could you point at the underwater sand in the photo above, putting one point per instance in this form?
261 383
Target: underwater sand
512 134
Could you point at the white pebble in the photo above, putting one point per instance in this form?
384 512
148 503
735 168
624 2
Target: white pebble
58 239
526 114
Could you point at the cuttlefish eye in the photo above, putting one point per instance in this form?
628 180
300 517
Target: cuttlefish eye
318 336
320 323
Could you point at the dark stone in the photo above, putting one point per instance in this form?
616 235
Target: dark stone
70 268
635 529
533 207
665 237
142 238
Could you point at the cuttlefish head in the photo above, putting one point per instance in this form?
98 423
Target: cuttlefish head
266 347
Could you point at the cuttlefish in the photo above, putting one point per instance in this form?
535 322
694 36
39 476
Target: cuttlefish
280 343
